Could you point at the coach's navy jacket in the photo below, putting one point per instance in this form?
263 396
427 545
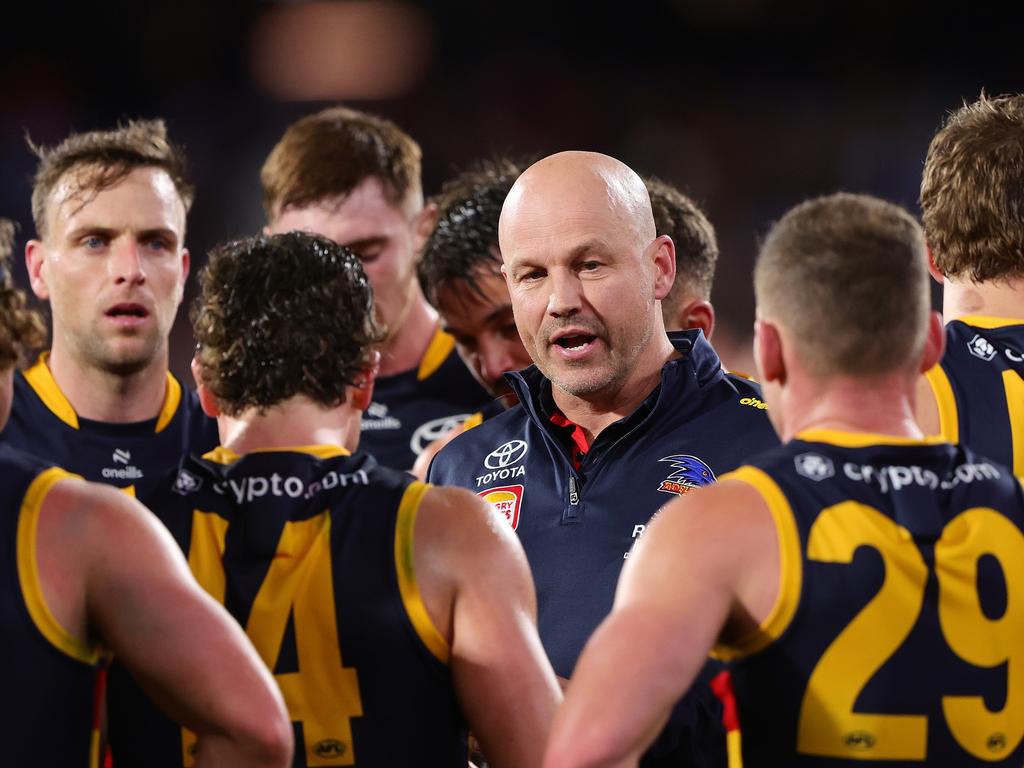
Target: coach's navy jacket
577 526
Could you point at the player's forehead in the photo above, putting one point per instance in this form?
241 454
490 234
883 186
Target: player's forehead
366 213
141 198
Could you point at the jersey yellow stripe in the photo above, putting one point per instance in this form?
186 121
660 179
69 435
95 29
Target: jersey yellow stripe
790 570
989 322
410 590
440 347
1014 386
206 552
474 420
734 748
862 439
28 570
222 455
945 401
42 382
172 398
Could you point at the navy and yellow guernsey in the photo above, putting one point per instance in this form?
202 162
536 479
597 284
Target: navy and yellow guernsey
900 614
577 513
413 409
48 675
311 551
979 387
134 456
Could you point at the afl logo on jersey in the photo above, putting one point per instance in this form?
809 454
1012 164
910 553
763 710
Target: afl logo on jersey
981 348
507 500
814 466
690 472
506 454
186 483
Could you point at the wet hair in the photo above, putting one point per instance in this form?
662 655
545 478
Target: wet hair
847 275
677 216
972 191
101 159
465 237
21 328
280 316
326 155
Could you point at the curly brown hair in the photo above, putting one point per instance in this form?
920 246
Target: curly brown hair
328 154
972 191
21 328
104 158
280 316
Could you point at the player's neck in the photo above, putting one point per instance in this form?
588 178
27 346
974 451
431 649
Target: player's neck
295 423
991 299
882 406
595 412
404 349
100 395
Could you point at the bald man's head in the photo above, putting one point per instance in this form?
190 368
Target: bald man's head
585 270
593 180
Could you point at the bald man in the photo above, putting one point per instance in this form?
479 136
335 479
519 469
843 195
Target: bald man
616 416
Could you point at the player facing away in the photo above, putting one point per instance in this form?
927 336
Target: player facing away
85 570
971 202
355 178
390 612
109 258
862 581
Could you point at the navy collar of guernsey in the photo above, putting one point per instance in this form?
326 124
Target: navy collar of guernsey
698 366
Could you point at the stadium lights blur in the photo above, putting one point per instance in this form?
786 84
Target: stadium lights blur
351 49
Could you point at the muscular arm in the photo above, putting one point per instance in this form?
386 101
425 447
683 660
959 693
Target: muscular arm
478 590
108 567
706 568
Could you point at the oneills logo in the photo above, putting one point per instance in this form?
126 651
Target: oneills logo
508 499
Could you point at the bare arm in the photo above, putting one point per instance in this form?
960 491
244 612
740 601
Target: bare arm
113 569
478 590
705 566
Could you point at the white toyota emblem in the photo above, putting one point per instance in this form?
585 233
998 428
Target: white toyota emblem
506 454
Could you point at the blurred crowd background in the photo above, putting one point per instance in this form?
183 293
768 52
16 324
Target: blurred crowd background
749 106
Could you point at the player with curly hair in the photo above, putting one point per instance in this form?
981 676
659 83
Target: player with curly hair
392 613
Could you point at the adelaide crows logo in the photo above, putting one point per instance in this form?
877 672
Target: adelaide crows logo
690 472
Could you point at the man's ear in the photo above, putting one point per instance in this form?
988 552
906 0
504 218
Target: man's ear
664 265
771 365
361 392
206 398
35 258
425 222
934 343
693 314
936 273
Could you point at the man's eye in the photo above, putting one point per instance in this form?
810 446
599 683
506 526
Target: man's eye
94 242
368 255
159 244
589 266
533 274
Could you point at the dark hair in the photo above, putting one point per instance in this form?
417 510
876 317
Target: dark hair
465 236
280 316
846 274
328 154
104 158
677 216
972 191
21 328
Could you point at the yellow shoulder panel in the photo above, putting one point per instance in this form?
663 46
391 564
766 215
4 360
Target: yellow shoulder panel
407 585
790 571
28 571
172 398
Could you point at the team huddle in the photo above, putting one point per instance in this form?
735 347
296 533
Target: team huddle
462 480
